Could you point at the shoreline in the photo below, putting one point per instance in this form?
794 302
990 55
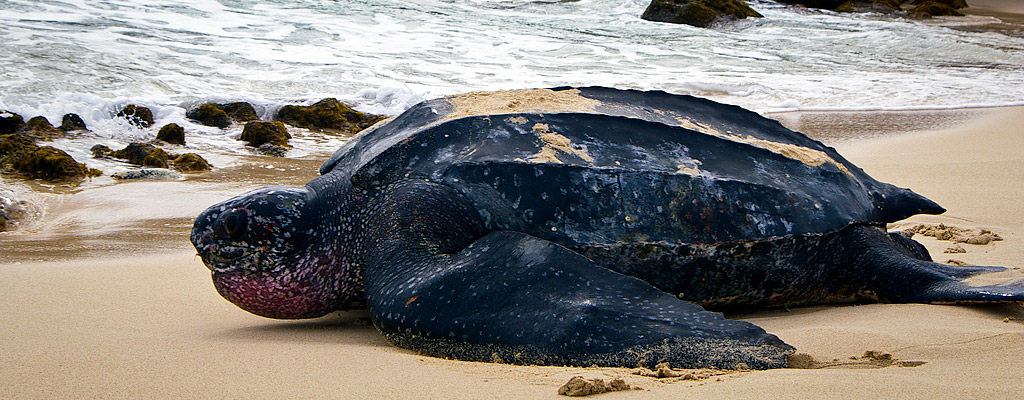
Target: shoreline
118 323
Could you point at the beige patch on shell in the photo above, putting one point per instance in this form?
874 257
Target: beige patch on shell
517 120
682 169
805 155
553 144
517 101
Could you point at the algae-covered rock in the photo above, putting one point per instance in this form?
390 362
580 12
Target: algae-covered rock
101 151
930 9
221 115
13 143
700 13
955 4
172 133
209 114
881 6
137 115
143 154
40 128
10 122
72 122
240 111
190 162
19 154
327 114
49 163
256 133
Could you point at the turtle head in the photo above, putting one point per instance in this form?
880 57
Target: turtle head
257 246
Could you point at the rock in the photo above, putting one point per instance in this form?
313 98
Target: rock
930 9
256 133
273 150
11 211
240 111
221 115
101 151
210 115
16 142
882 6
72 122
48 163
10 122
172 133
700 13
40 128
190 162
19 154
955 4
137 115
143 154
327 114
154 174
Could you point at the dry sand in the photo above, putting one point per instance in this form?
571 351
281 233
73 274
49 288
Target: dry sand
121 321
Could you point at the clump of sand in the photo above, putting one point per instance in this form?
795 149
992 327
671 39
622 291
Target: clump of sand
870 359
578 386
954 234
663 370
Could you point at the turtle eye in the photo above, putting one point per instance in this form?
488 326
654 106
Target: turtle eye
232 224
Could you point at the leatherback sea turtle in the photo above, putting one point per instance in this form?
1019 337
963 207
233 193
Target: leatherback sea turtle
576 226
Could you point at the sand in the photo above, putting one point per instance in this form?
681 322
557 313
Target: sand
131 312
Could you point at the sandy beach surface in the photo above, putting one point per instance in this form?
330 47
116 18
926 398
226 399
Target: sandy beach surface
106 299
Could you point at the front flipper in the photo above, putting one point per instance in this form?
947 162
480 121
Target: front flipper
524 300
515 298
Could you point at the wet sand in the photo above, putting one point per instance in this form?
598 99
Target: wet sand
131 313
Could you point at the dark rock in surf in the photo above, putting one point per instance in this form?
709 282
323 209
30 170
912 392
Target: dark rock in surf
13 143
210 115
327 115
240 111
190 162
72 122
172 133
257 133
930 9
881 6
221 115
955 4
273 150
143 154
139 116
22 156
101 151
10 122
41 129
699 13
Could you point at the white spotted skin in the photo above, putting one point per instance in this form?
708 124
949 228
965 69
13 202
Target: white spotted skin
295 256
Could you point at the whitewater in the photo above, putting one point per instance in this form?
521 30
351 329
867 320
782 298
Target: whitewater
382 56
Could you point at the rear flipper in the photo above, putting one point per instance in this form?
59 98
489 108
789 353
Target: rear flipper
898 275
514 298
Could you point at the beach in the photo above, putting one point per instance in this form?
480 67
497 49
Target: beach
99 306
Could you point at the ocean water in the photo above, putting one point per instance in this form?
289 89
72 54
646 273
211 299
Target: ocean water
93 57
